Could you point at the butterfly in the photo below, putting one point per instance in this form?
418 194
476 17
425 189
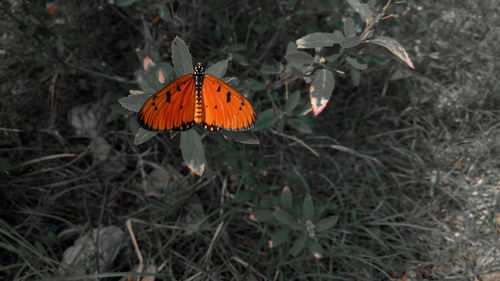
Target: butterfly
197 98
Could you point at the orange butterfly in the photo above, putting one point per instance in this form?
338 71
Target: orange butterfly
197 98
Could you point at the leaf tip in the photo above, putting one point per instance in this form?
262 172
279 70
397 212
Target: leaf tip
147 62
318 105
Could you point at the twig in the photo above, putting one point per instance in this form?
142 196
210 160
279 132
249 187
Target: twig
297 140
41 159
136 246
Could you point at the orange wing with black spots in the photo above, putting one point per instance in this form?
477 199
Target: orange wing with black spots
225 108
172 108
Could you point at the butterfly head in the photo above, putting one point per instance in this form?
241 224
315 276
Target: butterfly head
198 69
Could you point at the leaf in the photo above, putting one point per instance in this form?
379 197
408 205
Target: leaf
298 245
124 3
362 9
286 198
283 216
355 77
350 42
292 102
354 62
148 82
394 47
319 39
133 102
181 58
349 27
299 125
299 57
218 69
326 223
321 89
279 238
143 136
193 152
263 215
266 119
242 137
308 208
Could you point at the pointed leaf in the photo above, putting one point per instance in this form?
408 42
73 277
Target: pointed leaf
279 238
394 47
292 102
298 245
362 9
326 223
143 136
284 217
354 62
218 69
134 102
286 198
319 39
243 137
321 89
263 215
299 58
181 58
308 208
299 125
193 152
349 27
266 119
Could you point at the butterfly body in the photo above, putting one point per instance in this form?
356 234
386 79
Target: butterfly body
197 98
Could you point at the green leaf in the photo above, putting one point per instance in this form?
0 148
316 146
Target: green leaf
242 137
269 69
263 215
350 42
362 9
299 58
315 248
349 27
354 62
284 217
319 39
134 102
143 136
218 69
394 47
355 77
181 57
279 238
308 208
298 245
266 119
326 223
321 89
286 199
299 125
193 152
148 82
243 196
124 3
292 102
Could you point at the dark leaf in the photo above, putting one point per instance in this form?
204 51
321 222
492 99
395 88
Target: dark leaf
321 89
181 58
143 136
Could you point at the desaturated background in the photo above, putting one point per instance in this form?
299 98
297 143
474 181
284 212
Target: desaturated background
397 179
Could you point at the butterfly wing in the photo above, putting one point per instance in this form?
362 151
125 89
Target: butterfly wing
172 108
225 108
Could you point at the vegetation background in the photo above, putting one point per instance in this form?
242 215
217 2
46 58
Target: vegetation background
397 179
